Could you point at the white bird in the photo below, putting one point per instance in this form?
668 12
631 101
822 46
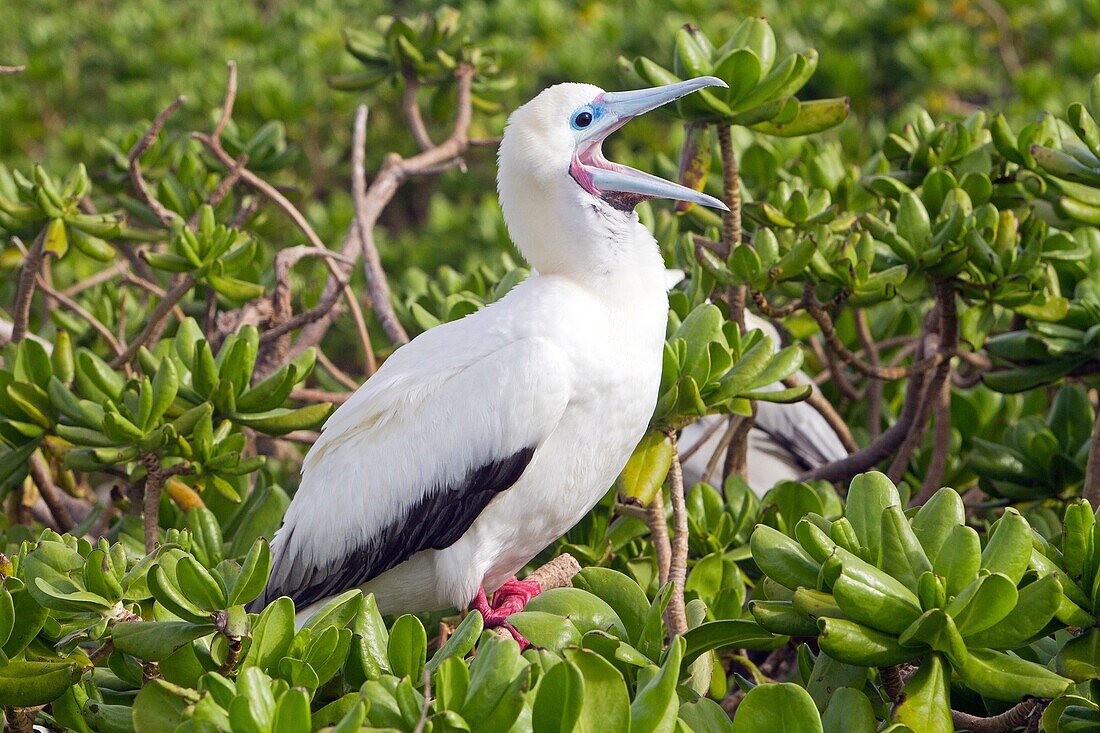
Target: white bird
483 440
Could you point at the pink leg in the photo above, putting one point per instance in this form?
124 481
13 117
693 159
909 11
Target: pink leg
510 598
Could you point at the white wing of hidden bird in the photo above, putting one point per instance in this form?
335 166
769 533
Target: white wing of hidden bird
483 440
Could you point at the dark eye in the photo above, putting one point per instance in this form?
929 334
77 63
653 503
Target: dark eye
582 120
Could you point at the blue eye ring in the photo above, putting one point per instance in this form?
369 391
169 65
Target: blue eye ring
582 119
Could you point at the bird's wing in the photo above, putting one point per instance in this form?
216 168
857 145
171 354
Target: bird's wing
800 431
411 460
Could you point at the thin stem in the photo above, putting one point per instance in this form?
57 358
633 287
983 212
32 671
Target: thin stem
941 444
824 408
154 484
82 312
43 479
165 216
160 312
1015 717
891 681
658 532
25 293
675 614
377 286
828 330
731 220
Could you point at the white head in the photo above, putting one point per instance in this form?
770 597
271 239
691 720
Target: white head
567 207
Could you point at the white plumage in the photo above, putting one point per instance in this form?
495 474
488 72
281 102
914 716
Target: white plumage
483 440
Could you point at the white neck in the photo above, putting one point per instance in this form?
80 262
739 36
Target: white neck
562 230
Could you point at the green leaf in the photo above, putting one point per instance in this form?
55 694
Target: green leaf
1079 658
849 711
934 522
737 633
27 684
585 610
625 597
155 640
777 708
868 496
1008 550
461 640
292 712
854 643
926 702
902 554
959 559
271 634
1002 676
408 647
645 472
655 704
255 569
559 699
160 706
1035 607
983 603
546 630
497 677
606 705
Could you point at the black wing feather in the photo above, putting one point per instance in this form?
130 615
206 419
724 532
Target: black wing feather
435 522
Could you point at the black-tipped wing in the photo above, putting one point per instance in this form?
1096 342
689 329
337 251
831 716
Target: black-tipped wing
436 521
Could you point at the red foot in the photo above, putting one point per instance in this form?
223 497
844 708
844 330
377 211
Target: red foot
510 598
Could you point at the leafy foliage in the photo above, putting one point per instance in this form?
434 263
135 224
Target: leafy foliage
173 342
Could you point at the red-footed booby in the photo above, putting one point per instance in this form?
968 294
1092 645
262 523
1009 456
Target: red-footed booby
483 440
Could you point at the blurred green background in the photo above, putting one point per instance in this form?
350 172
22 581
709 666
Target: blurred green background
95 68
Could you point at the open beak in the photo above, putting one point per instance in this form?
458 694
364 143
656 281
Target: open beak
620 185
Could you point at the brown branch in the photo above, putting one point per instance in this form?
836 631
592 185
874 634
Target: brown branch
43 479
154 484
156 318
710 430
165 216
881 448
337 373
12 69
1015 717
32 262
770 310
948 344
98 278
832 338
721 448
737 453
817 401
411 108
228 101
79 310
658 532
305 394
361 328
377 286
875 388
892 684
731 220
558 573
941 444
675 614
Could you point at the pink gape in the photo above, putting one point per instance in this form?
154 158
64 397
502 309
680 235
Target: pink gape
509 598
